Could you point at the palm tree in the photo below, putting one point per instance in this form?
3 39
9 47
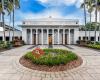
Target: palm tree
98 8
3 20
83 5
3 7
89 5
15 4
9 26
9 9
9 6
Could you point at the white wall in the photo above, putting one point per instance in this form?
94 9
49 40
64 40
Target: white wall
24 35
16 33
92 34
76 35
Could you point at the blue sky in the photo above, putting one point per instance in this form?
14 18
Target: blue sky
32 9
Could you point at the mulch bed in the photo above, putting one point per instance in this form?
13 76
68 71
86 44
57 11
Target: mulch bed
73 64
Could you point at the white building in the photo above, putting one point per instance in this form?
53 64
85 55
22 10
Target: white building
17 33
53 31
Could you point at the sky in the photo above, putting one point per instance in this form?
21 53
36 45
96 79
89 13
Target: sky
32 9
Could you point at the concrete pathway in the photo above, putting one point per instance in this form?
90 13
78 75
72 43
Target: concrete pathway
10 69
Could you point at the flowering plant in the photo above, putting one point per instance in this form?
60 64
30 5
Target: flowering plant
38 52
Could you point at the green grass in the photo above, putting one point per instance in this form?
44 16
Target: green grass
61 57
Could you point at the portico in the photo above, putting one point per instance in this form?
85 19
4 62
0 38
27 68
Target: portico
50 36
50 31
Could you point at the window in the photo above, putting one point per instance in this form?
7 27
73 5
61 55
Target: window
1 38
20 37
98 38
79 38
83 38
7 38
87 38
92 38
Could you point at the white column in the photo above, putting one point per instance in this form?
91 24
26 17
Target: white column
24 35
47 36
53 35
42 36
31 41
76 35
36 36
58 36
63 36
69 36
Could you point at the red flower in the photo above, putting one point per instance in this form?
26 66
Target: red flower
38 52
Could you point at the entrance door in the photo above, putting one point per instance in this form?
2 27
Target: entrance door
65 38
34 39
50 39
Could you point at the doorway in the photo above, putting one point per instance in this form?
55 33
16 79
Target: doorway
34 39
50 39
65 38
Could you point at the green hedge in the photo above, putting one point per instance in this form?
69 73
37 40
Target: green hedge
4 44
94 46
61 57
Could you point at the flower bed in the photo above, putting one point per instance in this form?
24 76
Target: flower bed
50 60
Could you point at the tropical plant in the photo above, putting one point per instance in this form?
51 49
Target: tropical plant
15 4
83 5
8 6
89 5
95 19
88 27
98 8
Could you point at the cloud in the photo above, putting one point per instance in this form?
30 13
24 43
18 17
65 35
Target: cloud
61 2
46 14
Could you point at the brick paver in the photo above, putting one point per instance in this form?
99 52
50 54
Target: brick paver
11 69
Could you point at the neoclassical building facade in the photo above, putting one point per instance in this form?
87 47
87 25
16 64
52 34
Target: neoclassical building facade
51 31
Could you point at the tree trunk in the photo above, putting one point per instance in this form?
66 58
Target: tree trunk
90 27
9 25
95 22
13 22
99 26
3 20
85 20
3 24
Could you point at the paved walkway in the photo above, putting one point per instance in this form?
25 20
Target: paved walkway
10 69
